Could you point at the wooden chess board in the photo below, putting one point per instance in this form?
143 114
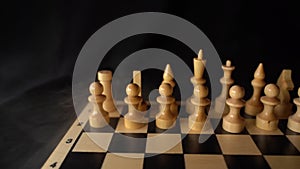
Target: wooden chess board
252 148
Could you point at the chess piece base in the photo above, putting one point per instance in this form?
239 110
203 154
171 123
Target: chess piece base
164 124
98 121
195 125
233 127
266 124
293 124
130 124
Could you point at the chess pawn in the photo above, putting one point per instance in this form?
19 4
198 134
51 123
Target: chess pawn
197 79
233 122
165 119
99 117
226 81
105 77
254 105
134 119
294 120
267 119
284 109
200 102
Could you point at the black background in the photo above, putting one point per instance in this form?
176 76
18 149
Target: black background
40 41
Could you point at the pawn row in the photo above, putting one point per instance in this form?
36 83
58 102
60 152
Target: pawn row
232 122
267 120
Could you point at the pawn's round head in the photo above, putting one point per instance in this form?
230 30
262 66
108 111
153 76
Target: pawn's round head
236 92
299 91
200 91
165 89
228 63
271 90
132 89
96 88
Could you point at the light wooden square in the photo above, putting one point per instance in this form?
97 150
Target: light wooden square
295 139
252 129
237 145
123 160
196 161
164 143
184 126
122 129
93 142
279 162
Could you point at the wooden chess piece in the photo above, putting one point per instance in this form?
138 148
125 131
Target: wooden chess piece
226 81
105 77
137 79
200 102
254 105
134 119
285 84
168 77
165 119
99 117
294 120
267 119
197 79
233 122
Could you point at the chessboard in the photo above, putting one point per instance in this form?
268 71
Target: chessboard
252 148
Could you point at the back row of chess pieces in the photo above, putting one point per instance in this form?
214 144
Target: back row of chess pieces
267 109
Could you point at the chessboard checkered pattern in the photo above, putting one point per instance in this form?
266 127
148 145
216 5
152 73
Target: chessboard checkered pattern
252 148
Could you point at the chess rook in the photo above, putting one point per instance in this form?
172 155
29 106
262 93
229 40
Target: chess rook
134 119
197 79
105 77
165 119
254 105
226 82
233 122
200 102
99 117
267 119
285 84
294 120
137 79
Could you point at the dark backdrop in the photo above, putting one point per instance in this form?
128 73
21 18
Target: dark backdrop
40 40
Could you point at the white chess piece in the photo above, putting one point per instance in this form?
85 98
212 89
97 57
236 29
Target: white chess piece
233 122
99 117
197 119
134 119
294 120
267 119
